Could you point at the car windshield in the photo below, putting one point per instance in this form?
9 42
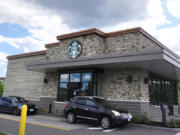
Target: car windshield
19 99
103 102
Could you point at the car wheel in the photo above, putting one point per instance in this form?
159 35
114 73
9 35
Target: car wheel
106 123
16 111
71 118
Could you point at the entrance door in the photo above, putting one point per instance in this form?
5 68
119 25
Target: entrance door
74 89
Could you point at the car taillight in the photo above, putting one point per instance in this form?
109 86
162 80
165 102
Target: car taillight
66 105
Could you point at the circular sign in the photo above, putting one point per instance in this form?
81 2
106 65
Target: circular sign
75 49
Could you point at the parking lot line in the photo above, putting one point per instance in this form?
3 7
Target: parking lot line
42 125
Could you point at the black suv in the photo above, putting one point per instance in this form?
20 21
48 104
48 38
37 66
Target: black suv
95 108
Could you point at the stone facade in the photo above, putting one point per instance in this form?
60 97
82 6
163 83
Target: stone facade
92 46
20 82
51 88
95 45
129 43
114 85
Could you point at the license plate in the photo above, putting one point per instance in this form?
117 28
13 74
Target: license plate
31 110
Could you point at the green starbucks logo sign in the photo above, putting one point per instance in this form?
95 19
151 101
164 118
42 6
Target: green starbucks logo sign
75 49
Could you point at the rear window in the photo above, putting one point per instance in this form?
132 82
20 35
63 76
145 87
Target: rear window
80 101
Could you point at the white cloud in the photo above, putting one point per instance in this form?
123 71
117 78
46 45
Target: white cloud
43 25
3 57
155 17
28 43
174 7
3 63
169 36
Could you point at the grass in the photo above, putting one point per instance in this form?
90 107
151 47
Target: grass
2 133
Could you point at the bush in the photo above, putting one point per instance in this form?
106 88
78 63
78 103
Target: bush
143 118
1 88
173 123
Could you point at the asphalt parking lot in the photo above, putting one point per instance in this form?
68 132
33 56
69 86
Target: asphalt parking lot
53 125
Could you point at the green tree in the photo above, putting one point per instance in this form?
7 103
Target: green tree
1 88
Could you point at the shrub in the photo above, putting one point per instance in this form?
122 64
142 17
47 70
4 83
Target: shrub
173 123
143 118
1 88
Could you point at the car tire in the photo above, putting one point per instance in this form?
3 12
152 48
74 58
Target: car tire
16 111
106 123
71 118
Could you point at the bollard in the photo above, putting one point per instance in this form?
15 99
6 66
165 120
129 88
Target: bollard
23 120
163 109
50 108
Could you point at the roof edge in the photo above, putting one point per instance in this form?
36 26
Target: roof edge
79 33
52 44
2 78
26 54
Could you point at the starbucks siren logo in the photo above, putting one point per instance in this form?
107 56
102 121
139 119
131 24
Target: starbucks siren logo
75 49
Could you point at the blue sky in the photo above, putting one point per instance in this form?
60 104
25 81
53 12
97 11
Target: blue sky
26 26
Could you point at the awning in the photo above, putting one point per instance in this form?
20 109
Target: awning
160 62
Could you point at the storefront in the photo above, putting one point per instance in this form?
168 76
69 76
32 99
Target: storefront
128 67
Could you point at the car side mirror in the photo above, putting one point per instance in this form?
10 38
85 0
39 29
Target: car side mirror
27 101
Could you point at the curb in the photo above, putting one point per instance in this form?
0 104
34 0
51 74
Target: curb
155 127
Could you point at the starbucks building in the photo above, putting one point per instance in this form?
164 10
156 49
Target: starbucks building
128 67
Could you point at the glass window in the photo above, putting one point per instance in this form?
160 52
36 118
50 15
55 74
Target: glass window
85 90
162 90
81 101
90 103
75 77
68 85
63 93
64 77
86 77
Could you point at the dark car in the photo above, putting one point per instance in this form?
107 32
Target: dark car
95 108
13 104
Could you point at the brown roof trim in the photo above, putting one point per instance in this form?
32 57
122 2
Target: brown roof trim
2 78
126 31
26 54
52 44
79 33
97 31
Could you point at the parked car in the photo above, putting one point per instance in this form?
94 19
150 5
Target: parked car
13 104
95 108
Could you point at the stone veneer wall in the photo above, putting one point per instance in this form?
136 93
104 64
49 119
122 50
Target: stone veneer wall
129 43
20 82
92 45
51 88
95 45
113 85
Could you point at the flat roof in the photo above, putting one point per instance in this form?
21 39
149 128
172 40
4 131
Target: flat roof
26 54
